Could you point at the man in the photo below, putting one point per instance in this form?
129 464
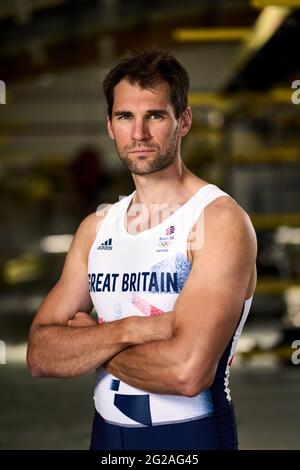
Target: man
171 272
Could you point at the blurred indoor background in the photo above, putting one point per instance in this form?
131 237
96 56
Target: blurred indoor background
57 165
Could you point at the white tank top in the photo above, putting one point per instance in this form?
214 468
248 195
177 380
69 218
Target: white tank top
143 274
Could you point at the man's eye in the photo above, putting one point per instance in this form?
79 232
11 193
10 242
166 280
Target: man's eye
124 116
155 116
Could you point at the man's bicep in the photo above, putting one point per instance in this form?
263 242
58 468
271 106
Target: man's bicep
208 309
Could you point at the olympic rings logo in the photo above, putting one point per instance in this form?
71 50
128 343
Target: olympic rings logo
164 244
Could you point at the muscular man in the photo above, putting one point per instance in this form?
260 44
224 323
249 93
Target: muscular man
170 270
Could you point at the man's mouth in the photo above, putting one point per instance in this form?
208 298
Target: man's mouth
142 151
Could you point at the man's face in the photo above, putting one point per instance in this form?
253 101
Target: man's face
144 127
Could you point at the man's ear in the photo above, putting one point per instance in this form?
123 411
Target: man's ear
185 121
109 128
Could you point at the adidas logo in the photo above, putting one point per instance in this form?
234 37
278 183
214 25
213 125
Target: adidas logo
107 245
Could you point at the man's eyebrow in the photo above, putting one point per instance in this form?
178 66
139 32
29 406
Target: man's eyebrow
157 111
121 113
149 111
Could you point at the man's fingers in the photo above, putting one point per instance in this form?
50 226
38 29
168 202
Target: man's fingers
82 315
77 323
87 320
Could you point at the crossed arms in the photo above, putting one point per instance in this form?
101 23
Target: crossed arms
174 353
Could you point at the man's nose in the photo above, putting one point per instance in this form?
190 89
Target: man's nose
140 130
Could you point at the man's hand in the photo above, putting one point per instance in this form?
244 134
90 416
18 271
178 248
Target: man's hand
82 319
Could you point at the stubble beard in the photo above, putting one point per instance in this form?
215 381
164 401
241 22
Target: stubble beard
160 162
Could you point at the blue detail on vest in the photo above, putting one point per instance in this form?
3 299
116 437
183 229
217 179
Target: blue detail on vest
136 407
179 265
205 402
183 266
115 384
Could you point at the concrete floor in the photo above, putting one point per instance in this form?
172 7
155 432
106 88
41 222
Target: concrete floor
267 406
57 413
44 413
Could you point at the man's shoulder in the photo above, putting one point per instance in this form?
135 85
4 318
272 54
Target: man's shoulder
226 210
227 232
90 225
92 220
225 215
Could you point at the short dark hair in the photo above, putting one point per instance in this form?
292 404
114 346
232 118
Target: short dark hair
147 68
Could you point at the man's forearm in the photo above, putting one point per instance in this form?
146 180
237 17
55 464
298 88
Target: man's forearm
62 351
153 367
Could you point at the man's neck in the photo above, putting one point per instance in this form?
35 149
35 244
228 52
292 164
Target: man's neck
173 185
